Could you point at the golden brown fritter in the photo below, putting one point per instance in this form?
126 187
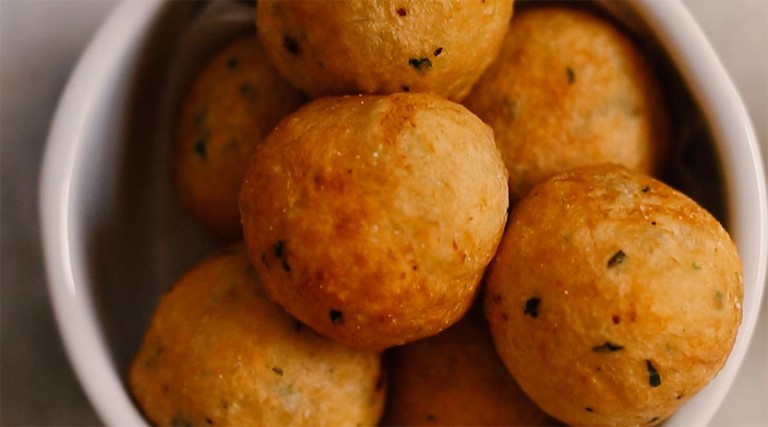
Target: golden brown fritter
234 102
372 218
219 352
455 378
568 89
616 291
361 46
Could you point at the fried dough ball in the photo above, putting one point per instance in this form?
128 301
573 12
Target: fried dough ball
219 352
234 102
350 47
616 291
456 379
568 89
372 218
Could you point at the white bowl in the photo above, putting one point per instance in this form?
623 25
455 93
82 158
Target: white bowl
114 236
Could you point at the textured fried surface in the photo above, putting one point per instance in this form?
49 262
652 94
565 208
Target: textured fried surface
361 46
218 352
569 89
371 219
613 298
234 102
456 379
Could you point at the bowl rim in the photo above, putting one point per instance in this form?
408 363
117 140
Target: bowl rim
125 29
121 33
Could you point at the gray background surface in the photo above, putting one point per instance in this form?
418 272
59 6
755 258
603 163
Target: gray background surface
40 42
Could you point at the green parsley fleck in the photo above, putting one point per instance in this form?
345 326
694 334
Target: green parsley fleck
719 298
291 45
608 347
201 148
279 248
532 307
654 379
420 64
617 258
509 107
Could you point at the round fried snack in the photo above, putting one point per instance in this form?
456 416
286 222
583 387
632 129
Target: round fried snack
235 101
456 379
568 89
613 298
372 218
219 352
360 46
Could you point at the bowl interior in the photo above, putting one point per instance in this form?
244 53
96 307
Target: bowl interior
128 239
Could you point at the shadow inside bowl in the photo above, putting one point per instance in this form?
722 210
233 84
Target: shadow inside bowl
144 240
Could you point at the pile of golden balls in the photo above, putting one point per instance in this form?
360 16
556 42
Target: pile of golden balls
435 213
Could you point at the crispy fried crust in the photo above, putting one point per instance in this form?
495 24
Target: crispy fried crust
568 89
613 298
350 47
234 102
456 379
219 352
371 219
